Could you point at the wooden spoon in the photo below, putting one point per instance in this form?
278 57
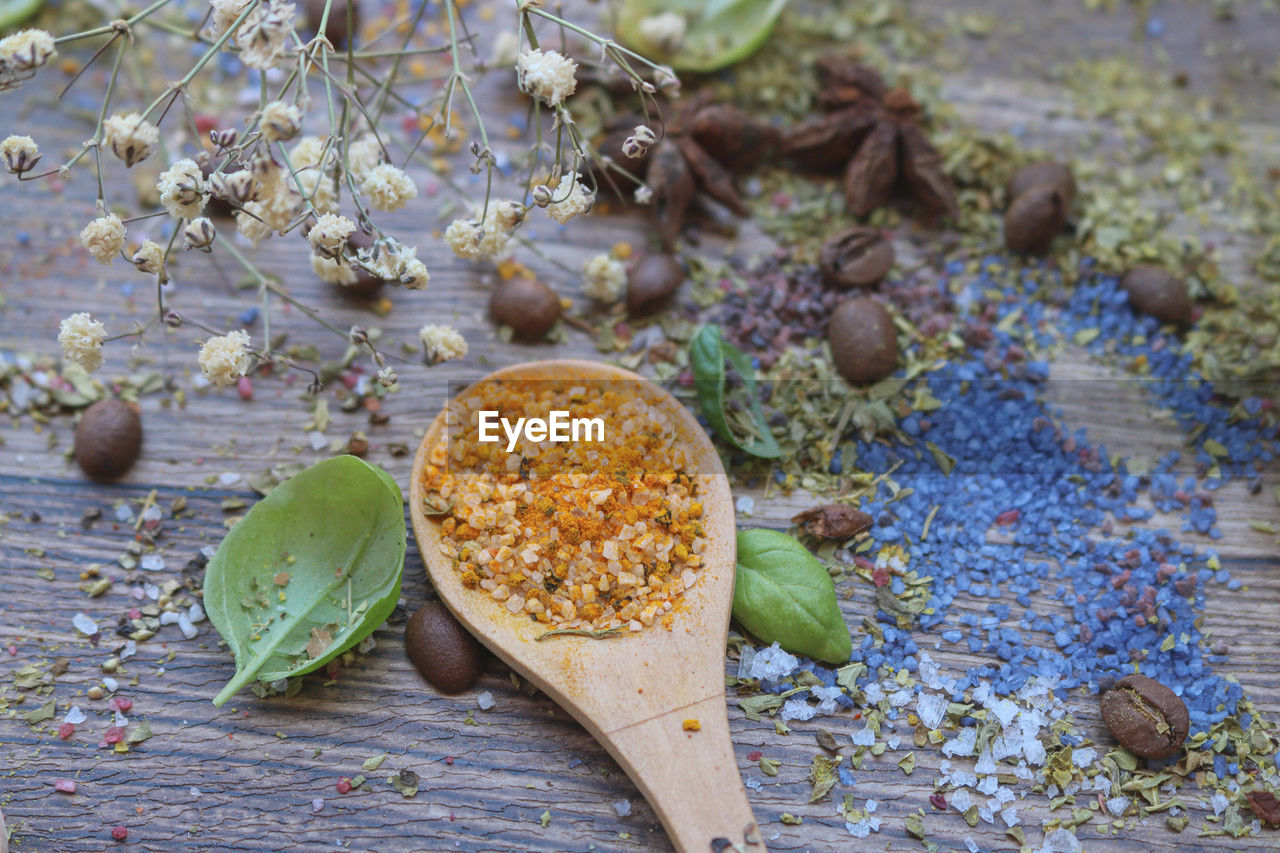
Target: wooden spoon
635 692
4 836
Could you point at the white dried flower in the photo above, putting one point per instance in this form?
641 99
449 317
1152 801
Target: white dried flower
182 189
388 188
199 234
149 258
573 201
250 224
643 195
463 237
20 154
22 54
604 279
666 80
506 49
640 141
665 31
318 187
225 13
546 75
81 337
415 275
442 343
306 153
329 235
104 238
130 137
225 358
280 121
334 270
386 377
387 259
263 36
363 156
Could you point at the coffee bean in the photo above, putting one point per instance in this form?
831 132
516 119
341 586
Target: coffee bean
654 277
108 439
864 341
1043 172
442 650
1155 291
336 29
1034 219
527 305
1145 717
858 257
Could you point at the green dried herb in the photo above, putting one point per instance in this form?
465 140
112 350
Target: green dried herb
783 595
337 530
822 773
717 33
739 422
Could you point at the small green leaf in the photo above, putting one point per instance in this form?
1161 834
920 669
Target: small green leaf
782 594
717 33
335 534
708 352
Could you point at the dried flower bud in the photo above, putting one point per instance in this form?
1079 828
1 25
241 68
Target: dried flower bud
199 234
239 187
386 377
281 122
172 319
328 237
358 336
542 195
640 141
224 138
22 54
130 137
20 154
149 258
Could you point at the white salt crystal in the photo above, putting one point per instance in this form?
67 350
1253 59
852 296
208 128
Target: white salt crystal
151 591
228 478
317 804
772 663
961 799
931 708
485 700
894 742
1117 805
1010 816
1219 803
208 551
872 805
864 827
753 784
129 649
1033 749
971 845
874 693
826 697
75 716
194 792
188 630
1004 795
988 785
1060 841
1005 710
110 683
901 697
317 440
168 617
622 808
796 708
152 562
1083 757
152 513
196 614
863 737
982 694
121 720
123 512
986 814
985 763
961 744
84 624
746 504
744 661
1022 771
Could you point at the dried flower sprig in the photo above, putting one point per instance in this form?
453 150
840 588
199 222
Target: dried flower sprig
318 156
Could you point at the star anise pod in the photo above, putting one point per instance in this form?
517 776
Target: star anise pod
702 146
874 133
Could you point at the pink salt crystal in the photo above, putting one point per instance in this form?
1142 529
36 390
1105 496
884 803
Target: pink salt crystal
66 786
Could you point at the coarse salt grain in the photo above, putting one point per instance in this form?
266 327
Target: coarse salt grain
485 701
84 624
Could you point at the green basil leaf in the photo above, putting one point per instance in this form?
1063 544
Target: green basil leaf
717 33
708 352
312 569
783 595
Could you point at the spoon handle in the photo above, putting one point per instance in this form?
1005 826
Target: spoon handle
690 777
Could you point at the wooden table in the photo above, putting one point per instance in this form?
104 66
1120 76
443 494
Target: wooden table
521 776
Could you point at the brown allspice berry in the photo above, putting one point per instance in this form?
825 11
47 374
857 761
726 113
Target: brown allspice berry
654 277
527 305
1048 172
864 340
442 650
1155 291
1034 219
108 439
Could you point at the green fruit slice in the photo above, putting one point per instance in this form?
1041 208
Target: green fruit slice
717 34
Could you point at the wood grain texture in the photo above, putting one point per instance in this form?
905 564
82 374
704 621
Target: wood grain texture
244 776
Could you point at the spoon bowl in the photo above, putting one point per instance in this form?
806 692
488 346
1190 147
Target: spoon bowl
653 698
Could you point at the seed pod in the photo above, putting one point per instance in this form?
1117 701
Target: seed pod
858 257
672 185
609 144
442 651
734 138
843 80
826 143
1145 717
922 171
1155 291
1034 219
652 280
868 182
713 178
527 305
1043 172
835 522
864 341
108 439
